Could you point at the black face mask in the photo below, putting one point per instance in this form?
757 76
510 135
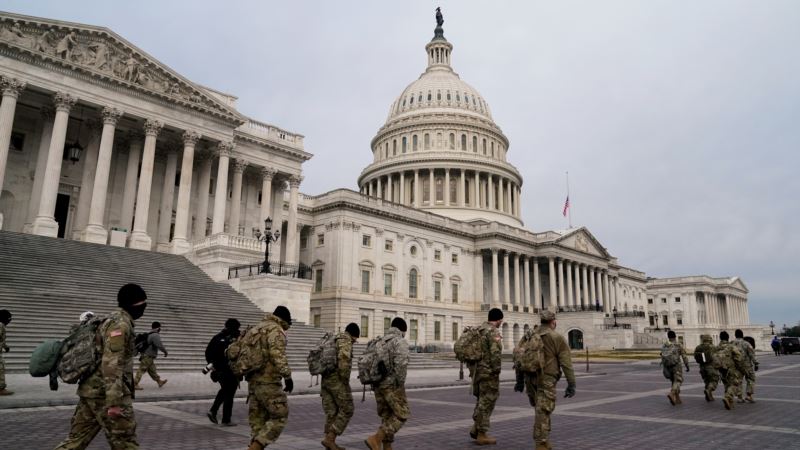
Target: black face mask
136 311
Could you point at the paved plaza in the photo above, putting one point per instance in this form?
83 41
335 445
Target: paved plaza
618 406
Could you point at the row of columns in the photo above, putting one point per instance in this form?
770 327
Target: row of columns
476 189
571 285
725 309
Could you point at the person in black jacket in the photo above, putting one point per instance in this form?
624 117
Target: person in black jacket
215 355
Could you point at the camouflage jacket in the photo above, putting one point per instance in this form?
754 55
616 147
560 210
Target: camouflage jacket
113 379
492 359
748 354
344 356
397 349
734 361
2 336
681 351
272 342
557 356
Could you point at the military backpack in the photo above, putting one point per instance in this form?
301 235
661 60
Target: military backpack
81 352
373 364
529 353
469 346
44 358
322 359
244 354
704 354
140 342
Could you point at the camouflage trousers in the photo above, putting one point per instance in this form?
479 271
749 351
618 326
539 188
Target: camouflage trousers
710 378
268 412
147 364
392 409
750 378
530 388
91 415
487 390
2 371
337 402
677 380
545 405
732 379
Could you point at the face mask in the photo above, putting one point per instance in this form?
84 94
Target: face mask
136 311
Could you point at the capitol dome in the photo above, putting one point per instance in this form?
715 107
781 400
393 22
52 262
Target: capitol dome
440 149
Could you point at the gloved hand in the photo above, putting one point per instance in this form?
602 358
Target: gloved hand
687 368
165 354
289 385
7 348
570 392
755 367
520 385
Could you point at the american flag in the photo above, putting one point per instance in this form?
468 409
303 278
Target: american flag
566 207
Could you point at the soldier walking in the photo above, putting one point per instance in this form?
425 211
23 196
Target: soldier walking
106 396
557 358
731 362
672 354
147 362
5 319
269 407
390 393
750 367
704 355
337 397
486 377
222 373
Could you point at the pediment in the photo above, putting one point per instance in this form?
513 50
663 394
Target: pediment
102 54
739 284
583 241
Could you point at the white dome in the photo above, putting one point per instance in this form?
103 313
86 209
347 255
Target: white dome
441 89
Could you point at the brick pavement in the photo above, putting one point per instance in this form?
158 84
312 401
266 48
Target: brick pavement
624 407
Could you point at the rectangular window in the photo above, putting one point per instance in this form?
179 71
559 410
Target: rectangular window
454 258
664 300
387 284
318 280
317 320
652 321
437 255
366 240
320 239
679 320
666 319
437 291
649 301
455 293
454 331
303 242
365 326
437 331
388 245
387 323
414 330
677 299
365 281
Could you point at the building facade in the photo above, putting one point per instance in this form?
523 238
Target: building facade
102 143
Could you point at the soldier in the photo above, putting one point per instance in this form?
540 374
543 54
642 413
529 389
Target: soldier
557 358
390 393
750 367
106 396
486 378
731 362
228 382
704 355
526 382
147 362
672 353
337 398
5 319
269 407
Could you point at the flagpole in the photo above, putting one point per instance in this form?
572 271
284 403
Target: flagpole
569 210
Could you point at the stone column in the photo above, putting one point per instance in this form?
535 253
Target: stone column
592 288
291 226
44 224
551 266
500 196
180 243
267 175
462 192
11 88
537 287
586 299
403 188
221 191
417 200
95 231
517 283
167 197
509 205
489 192
476 203
495 278
506 279
526 278
599 283
47 114
431 188
131 177
236 197
203 186
390 187
139 238
606 293
446 187
560 282
81 217
568 280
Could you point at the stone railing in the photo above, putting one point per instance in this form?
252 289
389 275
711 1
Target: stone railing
271 132
229 241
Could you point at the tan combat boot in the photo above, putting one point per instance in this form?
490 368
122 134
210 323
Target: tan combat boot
330 441
375 442
749 398
485 439
162 382
728 404
678 398
255 445
542 446
6 392
709 395
387 445
672 400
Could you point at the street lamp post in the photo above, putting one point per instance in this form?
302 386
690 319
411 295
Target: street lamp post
657 328
615 316
268 237
772 327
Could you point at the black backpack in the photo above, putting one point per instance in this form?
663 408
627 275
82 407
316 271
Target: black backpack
141 343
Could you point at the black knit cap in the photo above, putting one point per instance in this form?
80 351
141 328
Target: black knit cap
283 313
353 330
724 336
670 334
4 315
155 325
232 324
400 324
495 314
130 294
738 333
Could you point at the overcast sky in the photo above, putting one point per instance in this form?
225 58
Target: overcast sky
678 121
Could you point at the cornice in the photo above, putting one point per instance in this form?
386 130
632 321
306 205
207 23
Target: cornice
407 163
292 153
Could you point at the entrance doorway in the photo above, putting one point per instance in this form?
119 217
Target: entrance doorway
62 210
576 339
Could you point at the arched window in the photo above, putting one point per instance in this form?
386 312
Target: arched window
411 102
430 96
466 97
427 141
452 141
387 150
484 146
464 142
404 103
439 95
448 96
419 100
453 191
412 283
439 189
439 143
404 144
458 97
475 144
394 147
492 149
414 142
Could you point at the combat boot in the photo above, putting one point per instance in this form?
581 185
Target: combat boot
375 442
6 392
255 445
387 445
473 432
542 446
678 398
485 439
749 398
671 397
162 382
728 404
330 441
709 395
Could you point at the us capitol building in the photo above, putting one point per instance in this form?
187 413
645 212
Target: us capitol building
100 142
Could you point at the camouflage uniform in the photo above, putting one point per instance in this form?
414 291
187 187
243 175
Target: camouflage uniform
708 372
111 385
676 375
147 362
749 374
269 408
390 393
557 358
486 378
731 370
337 397
2 361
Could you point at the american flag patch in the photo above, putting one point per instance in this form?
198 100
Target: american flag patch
116 333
